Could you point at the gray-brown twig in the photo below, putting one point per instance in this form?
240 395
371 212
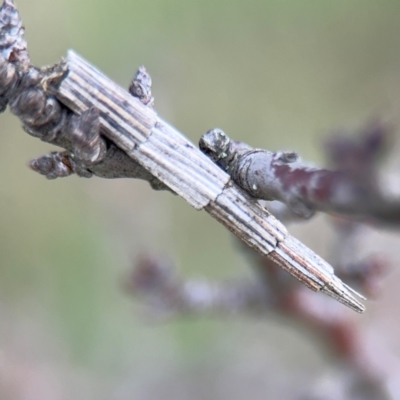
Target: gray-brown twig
352 189
369 369
44 117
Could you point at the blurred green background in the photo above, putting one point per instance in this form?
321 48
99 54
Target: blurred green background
276 74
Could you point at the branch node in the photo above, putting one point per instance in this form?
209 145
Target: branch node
53 75
58 164
288 157
84 130
215 144
13 46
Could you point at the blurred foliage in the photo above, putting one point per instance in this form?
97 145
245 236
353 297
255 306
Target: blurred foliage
277 74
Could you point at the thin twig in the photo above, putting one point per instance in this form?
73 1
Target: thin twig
352 189
165 294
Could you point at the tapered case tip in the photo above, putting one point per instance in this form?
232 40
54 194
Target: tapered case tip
344 294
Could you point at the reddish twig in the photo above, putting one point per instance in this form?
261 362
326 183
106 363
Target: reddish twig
352 189
367 368
368 363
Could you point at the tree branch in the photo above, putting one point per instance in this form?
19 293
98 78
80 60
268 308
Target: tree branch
44 117
108 133
169 156
46 100
166 294
369 368
353 189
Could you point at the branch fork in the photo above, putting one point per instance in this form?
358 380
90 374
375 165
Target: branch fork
108 132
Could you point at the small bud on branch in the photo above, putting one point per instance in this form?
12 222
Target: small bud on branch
141 87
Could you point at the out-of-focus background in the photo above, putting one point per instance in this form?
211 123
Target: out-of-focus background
275 74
